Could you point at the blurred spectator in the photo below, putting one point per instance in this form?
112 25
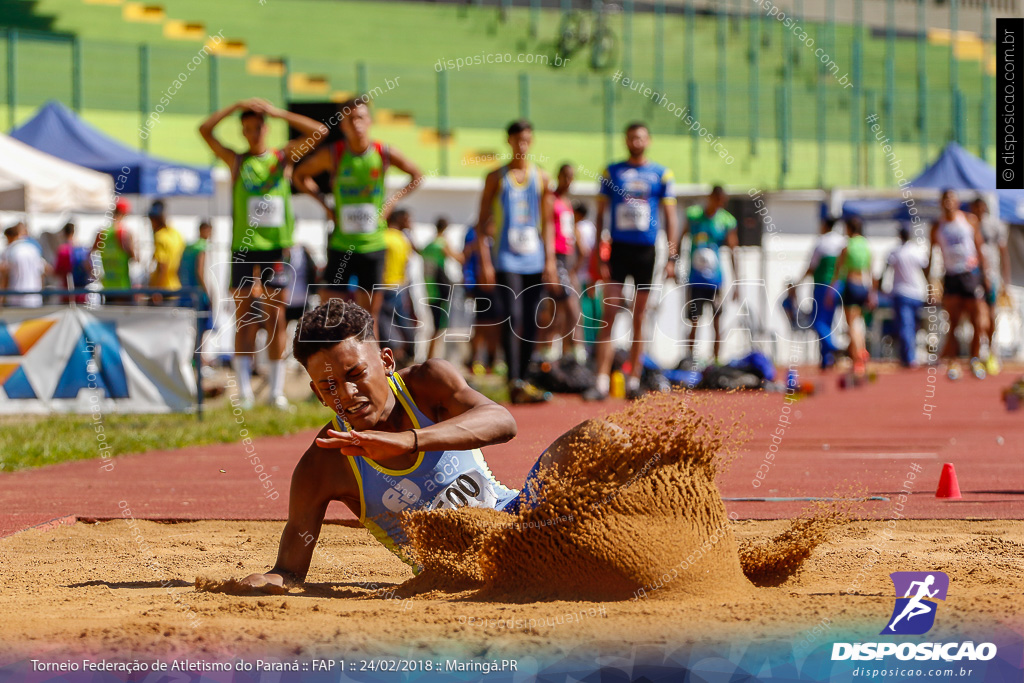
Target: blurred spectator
116 250
484 336
995 239
305 274
22 268
192 273
586 273
72 264
439 286
852 277
396 302
821 269
909 262
168 246
566 296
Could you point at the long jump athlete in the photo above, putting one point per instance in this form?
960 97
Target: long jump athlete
400 440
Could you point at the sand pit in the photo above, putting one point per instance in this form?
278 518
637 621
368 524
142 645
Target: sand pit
87 588
636 511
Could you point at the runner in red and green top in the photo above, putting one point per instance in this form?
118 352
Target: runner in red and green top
356 248
262 226
116 250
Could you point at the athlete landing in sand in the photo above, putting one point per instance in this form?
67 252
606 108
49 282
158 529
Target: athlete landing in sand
408 439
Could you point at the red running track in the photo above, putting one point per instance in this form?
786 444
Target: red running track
865 440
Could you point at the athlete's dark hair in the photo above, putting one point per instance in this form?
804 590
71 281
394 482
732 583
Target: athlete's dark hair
249 113
980 199
518 126
396 215
636 124
717 191
441 225
328 325
565 166
68 230
854 226
346 107
580 208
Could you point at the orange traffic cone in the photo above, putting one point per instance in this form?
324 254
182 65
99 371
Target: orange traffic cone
948 486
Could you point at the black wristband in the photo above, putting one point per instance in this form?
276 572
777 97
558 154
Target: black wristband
415 442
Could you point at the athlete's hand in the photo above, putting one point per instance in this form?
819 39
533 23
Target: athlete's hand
550 277
265 583
670 271
371 444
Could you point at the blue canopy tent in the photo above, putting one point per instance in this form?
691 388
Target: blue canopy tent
955 168
58 131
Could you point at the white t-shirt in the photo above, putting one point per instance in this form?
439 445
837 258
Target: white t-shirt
908 262
25 267
588 238
830 244
995 234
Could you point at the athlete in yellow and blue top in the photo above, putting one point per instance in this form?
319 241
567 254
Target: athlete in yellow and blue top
401 440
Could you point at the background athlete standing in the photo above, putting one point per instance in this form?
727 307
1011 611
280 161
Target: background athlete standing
515 209
710 228
357 247
633 192
262 227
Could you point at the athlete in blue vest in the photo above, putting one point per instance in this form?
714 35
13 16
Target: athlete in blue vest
519 267
400 440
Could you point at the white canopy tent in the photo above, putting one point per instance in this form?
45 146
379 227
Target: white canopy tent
35 182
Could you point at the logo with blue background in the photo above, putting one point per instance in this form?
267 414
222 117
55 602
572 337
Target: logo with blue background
916 595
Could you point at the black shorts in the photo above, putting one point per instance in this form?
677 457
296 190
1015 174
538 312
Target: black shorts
698 297
266 266
632 260
342 266
964 285
486 306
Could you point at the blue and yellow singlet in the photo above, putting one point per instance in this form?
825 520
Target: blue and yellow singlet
438 479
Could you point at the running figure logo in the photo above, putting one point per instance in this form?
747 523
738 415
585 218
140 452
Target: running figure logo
914 613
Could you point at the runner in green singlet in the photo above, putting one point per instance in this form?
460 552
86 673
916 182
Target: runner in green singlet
116 250
262 228
853 278
356 248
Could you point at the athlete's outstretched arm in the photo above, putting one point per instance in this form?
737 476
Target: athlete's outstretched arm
224 153
485 228
547 228
668 205
464 418
303 124
313 482
599 265
319 162
733 241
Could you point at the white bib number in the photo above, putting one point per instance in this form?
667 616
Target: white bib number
705 261
633 215
266 212
524 240
470 489
358 219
